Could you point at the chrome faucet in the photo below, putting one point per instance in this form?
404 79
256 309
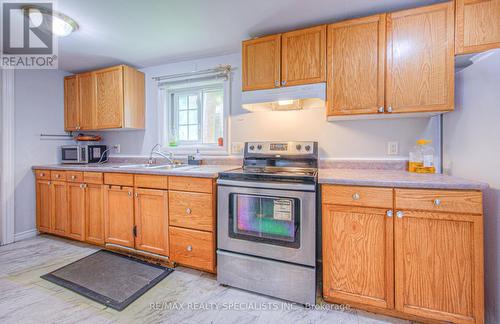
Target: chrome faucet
154 150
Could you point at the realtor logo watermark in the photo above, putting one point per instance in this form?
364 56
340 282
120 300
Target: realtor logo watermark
27 38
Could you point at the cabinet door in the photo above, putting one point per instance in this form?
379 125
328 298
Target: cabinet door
303 56
76 210
94 216
119 215
109 98
43 206
420 59
356 66
59 204
358 255
477 26
71 108
151 219
439 266
86 99
261 63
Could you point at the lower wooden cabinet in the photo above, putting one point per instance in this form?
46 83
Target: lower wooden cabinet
421 258
94 214
43 206
59 206
151 220
76 210
358 255
192 248
119 215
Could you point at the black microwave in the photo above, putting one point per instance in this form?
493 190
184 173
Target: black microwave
83 153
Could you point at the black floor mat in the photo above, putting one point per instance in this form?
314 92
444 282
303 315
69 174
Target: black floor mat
109 278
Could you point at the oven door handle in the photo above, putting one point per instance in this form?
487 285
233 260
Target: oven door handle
268 185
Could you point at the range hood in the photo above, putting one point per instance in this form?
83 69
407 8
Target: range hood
286 98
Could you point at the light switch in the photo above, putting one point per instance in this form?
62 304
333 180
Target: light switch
237 147
393 148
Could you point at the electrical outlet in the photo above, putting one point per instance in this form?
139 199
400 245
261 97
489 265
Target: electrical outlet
237 147
117 148
392 148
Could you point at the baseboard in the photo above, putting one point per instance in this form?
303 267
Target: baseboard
25 235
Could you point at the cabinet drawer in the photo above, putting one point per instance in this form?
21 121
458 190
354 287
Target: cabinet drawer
191 209
454 201
190 184
42 174
119 179
192 248
58 175
72 176
93 177
357 196
151 181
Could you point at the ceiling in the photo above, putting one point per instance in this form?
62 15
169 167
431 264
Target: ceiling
151 32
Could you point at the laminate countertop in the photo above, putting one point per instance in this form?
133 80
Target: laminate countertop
396 179
200 171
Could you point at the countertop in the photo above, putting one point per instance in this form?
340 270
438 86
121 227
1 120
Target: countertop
201 171
398 179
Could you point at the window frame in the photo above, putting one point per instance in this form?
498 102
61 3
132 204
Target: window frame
166 115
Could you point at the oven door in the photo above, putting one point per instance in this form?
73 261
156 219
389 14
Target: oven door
267 222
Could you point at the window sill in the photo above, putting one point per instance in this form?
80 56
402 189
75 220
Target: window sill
191 150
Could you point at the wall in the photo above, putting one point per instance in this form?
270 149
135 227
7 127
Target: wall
472 150
347 139
39 108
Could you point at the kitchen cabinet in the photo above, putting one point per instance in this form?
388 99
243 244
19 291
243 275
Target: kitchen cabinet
420 59
71 107
76 210
193 248
477 25
110 98
356 66
119 215
410 253
303 56
43 206
59 206
261 63
86 100
94 214
151 220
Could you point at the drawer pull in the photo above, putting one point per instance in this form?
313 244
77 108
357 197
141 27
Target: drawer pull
389 213
82 186
356 196
42 174
437 202
188 211
57 176
400 214
189 248
130 193
73 177
136 195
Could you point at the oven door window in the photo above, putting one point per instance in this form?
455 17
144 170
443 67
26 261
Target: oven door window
272 220
70 154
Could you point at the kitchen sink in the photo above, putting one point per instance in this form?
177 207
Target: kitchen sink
150 166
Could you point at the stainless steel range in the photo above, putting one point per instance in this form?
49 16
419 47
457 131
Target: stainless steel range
266 223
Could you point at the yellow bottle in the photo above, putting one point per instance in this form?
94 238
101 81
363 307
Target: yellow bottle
422 158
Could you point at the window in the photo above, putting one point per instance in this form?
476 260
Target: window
195 116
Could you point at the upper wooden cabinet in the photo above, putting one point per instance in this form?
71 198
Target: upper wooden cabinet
420 59
71 107
261 63
110 98
293 58
477 26
303 56
356 66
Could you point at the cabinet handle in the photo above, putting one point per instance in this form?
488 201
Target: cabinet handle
82 186
136 195
437 202
283 82
189 248
49 183
389 213
356 196
57 176
130 193
73 177
380 109
400 214
276 83
389 109
42 174
188 211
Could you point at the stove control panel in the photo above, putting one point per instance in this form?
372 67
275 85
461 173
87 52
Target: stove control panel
281 148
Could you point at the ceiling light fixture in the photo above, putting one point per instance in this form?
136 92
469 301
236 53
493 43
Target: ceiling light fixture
51 21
